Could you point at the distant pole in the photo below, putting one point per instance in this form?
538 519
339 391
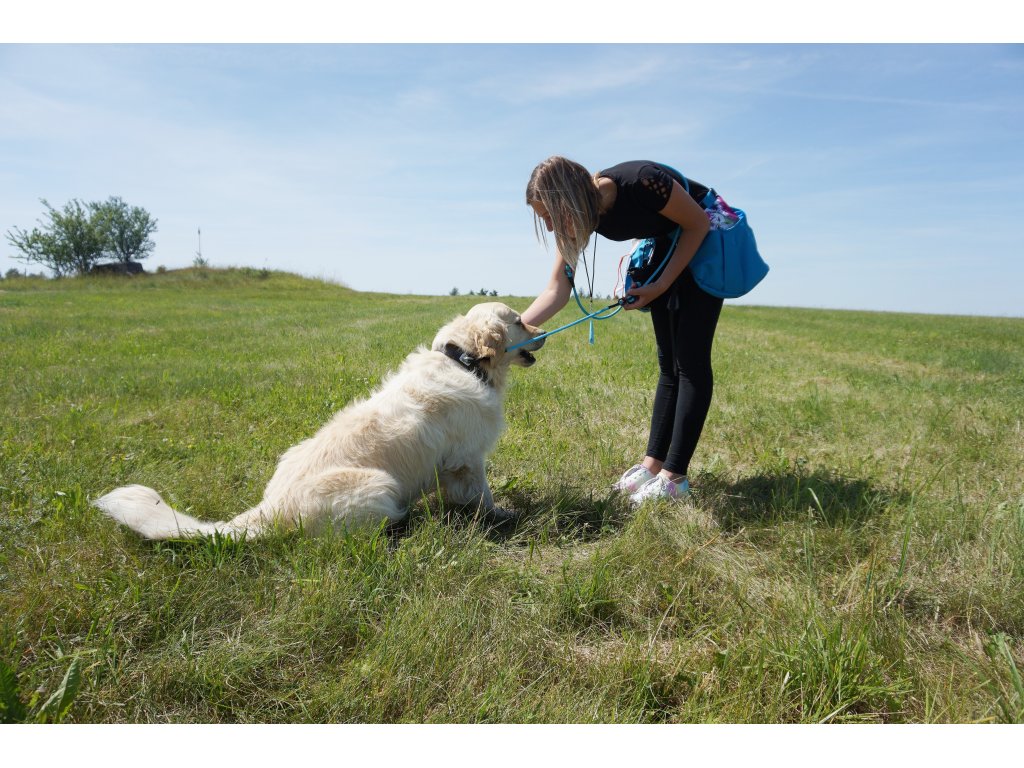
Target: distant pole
199 234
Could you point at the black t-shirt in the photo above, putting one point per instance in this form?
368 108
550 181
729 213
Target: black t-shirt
643 190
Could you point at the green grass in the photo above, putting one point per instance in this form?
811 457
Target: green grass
854 551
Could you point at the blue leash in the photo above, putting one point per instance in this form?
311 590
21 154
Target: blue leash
600 314
590 316
611 310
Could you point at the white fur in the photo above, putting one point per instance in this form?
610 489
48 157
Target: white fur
430 422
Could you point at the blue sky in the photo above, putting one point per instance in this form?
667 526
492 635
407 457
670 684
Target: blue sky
876 176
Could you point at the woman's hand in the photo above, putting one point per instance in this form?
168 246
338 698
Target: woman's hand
644 294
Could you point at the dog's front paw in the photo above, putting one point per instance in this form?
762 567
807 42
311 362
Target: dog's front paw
501 515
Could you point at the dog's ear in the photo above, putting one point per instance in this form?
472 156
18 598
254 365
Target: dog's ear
488 341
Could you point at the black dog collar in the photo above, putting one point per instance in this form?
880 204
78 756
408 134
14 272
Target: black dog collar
466 360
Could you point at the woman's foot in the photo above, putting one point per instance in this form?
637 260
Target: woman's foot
660 487
632 479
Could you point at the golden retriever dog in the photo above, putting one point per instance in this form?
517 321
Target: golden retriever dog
430 423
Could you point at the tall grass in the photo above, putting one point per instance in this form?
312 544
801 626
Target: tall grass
853 552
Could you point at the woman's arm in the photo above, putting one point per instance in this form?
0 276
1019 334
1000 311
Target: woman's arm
684 211
551 299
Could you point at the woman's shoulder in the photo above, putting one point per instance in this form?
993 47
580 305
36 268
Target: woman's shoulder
631 170
647 176
646 182
645 173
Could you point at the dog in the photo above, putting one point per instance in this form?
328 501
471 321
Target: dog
430 423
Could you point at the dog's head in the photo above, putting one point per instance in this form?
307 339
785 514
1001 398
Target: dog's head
484 334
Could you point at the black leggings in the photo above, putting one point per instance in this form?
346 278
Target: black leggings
684 328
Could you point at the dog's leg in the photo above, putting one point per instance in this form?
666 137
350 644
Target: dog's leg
353 496
468 485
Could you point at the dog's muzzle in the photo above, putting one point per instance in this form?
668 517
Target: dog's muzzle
525 352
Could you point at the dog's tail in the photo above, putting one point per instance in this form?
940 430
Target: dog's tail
141 509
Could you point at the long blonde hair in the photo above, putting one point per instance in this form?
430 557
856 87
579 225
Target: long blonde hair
569 194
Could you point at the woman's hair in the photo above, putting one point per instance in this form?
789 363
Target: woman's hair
569 194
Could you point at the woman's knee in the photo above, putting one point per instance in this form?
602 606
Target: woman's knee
699 378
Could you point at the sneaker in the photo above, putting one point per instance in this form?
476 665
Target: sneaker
659 487
632 479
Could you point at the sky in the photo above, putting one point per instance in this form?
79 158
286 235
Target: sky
876 176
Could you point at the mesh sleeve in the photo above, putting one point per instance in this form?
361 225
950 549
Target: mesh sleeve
654 187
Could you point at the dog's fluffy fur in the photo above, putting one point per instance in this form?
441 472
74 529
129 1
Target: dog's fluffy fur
431 422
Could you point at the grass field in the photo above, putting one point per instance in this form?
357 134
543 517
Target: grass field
854 550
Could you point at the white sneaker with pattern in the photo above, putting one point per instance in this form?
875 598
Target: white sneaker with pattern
632 479
659 487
